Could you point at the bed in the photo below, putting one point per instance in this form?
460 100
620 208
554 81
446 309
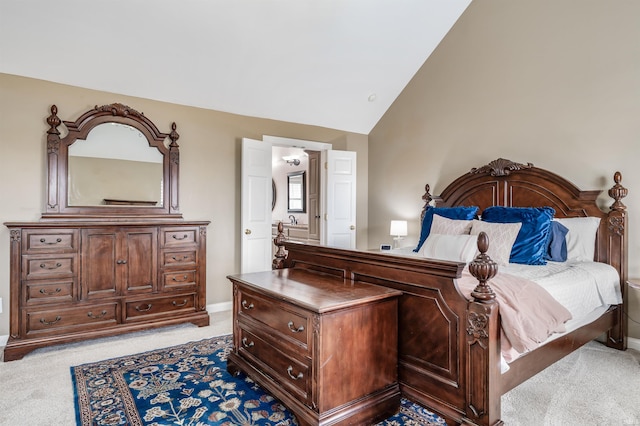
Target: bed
450 346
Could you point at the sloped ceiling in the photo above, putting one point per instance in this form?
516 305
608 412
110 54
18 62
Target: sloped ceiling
331 63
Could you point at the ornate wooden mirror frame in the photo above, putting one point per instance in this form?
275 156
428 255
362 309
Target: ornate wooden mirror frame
57 203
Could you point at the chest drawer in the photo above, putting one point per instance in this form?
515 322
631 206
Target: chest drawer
49 291
290 372
176 237
73 319
179 280
48 266
143 308
291 322
179 258
50 241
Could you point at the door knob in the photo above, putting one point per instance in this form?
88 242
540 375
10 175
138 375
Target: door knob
352 227
247 231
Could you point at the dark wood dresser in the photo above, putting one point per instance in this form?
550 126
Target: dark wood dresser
99 263
324 346
77 280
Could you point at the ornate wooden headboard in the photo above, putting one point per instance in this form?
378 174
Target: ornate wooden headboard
506 183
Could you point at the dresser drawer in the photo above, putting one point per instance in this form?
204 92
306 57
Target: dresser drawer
178 280
70 319
294 374
143 308
291 322
176 237
50 241
48 266
48 291
179 258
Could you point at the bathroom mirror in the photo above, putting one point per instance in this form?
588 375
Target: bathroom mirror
112 162
296 192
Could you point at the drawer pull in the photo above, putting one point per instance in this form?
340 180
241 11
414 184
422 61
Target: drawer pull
184 278
295 330
148 308
245 344
185 257
45 322
246 305
44 241
298 377
184 237
44 266
102 314
121 262
184 302
49 293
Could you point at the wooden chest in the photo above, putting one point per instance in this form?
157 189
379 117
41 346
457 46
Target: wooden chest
324 346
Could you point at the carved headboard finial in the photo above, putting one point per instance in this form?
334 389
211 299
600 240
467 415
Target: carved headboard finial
501 167
618 192
427 200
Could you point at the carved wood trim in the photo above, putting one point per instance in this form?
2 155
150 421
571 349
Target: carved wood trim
500 167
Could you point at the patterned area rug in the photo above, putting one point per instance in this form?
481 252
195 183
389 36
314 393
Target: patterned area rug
188 385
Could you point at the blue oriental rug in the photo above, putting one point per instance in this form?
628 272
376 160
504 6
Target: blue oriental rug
188 385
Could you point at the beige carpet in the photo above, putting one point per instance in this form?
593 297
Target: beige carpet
37 390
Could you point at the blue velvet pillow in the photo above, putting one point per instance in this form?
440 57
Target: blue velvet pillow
530 246
557 244
455 213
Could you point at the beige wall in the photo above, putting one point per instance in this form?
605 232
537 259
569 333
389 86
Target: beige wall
210 145
555 83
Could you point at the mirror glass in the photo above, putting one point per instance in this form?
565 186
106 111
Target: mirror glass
296 192
114 166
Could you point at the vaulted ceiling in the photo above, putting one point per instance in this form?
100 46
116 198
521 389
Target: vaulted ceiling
331 63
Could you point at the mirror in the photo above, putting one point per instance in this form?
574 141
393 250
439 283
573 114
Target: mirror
296 192
102 167
113 162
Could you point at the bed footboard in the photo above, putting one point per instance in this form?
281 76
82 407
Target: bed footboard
449 352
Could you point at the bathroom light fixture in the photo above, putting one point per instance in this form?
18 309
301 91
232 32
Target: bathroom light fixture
292 160
399 229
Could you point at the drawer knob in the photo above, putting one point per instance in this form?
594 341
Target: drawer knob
44 241
185 257
102 314
179 305
297 377
177 237
148 308
294 329
56 266
121 262
245 344
49 293
45 322
246 305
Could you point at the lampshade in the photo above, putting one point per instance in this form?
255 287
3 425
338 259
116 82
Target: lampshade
398 228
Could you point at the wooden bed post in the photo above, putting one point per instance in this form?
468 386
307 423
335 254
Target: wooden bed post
483 349
281 254
617 257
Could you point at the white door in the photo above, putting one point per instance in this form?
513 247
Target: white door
341 199
256 245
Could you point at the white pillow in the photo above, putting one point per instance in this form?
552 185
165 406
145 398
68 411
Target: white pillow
457 248
581 238
444 225
501 238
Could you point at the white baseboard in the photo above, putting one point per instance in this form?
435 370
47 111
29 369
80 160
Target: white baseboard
3 340
219 307
633 343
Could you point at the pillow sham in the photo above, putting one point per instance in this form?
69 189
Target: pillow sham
442 225
581 238
456 248
531 244
501 238
557 243
459 213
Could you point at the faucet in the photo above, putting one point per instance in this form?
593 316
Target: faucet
293 219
